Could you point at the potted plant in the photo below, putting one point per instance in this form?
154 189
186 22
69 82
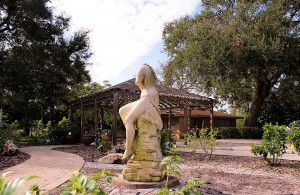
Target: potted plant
106 134
89 136
64 132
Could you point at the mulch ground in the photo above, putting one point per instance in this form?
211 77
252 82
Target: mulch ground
10 161
88 153
222 174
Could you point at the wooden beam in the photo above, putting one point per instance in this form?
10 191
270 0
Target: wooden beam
115 113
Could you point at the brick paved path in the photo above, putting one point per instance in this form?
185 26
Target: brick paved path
53 167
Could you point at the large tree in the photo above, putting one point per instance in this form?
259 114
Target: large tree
39 59
236 50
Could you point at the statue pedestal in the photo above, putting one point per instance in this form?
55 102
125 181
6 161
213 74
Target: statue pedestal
144 165
120 182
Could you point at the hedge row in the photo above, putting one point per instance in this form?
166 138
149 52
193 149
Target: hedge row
240 132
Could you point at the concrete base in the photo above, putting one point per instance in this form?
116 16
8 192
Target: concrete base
120 182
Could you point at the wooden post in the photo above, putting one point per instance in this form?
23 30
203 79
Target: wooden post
115 113
101 118
186 117
189 120
96 117
82 121
169 119
211 109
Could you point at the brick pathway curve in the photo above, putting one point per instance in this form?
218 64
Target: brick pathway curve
53 167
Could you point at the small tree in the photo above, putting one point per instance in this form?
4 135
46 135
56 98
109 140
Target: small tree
206 140
273 143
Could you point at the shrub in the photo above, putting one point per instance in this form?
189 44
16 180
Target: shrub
273 143
167 141
240 132
208 140
64 126
294 137
10 133
202 138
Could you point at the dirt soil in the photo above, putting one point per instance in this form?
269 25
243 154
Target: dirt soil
10 161
222 174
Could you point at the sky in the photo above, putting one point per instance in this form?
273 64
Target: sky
124 34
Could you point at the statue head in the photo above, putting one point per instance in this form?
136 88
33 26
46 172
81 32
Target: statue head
146 76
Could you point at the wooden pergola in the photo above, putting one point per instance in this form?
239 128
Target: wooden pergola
114 97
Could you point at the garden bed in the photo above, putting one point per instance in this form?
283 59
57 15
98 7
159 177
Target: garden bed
10 161
222 174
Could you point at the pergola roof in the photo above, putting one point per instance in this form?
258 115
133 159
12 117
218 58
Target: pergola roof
206 113
169 97
114 97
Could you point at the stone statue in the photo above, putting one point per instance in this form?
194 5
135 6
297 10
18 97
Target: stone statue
143 124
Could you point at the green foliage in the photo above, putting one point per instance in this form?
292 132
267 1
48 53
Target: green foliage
80 184
102 145
104 174
237 50
288 96
10 133
12 187
208 141
204 139
294 137
171 164
167 141
273 111
171 167
273 143
34 190
64 126
191 187
40 63
86 89
38 132
240 111
187 137
240 132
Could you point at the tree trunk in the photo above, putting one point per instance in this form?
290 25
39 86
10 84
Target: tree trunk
262 91
26 129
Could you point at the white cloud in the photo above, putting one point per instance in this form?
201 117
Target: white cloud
122 31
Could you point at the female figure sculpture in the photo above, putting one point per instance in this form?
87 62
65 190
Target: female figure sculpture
146 107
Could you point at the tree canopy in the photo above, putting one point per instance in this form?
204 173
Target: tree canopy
40 60
238 51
